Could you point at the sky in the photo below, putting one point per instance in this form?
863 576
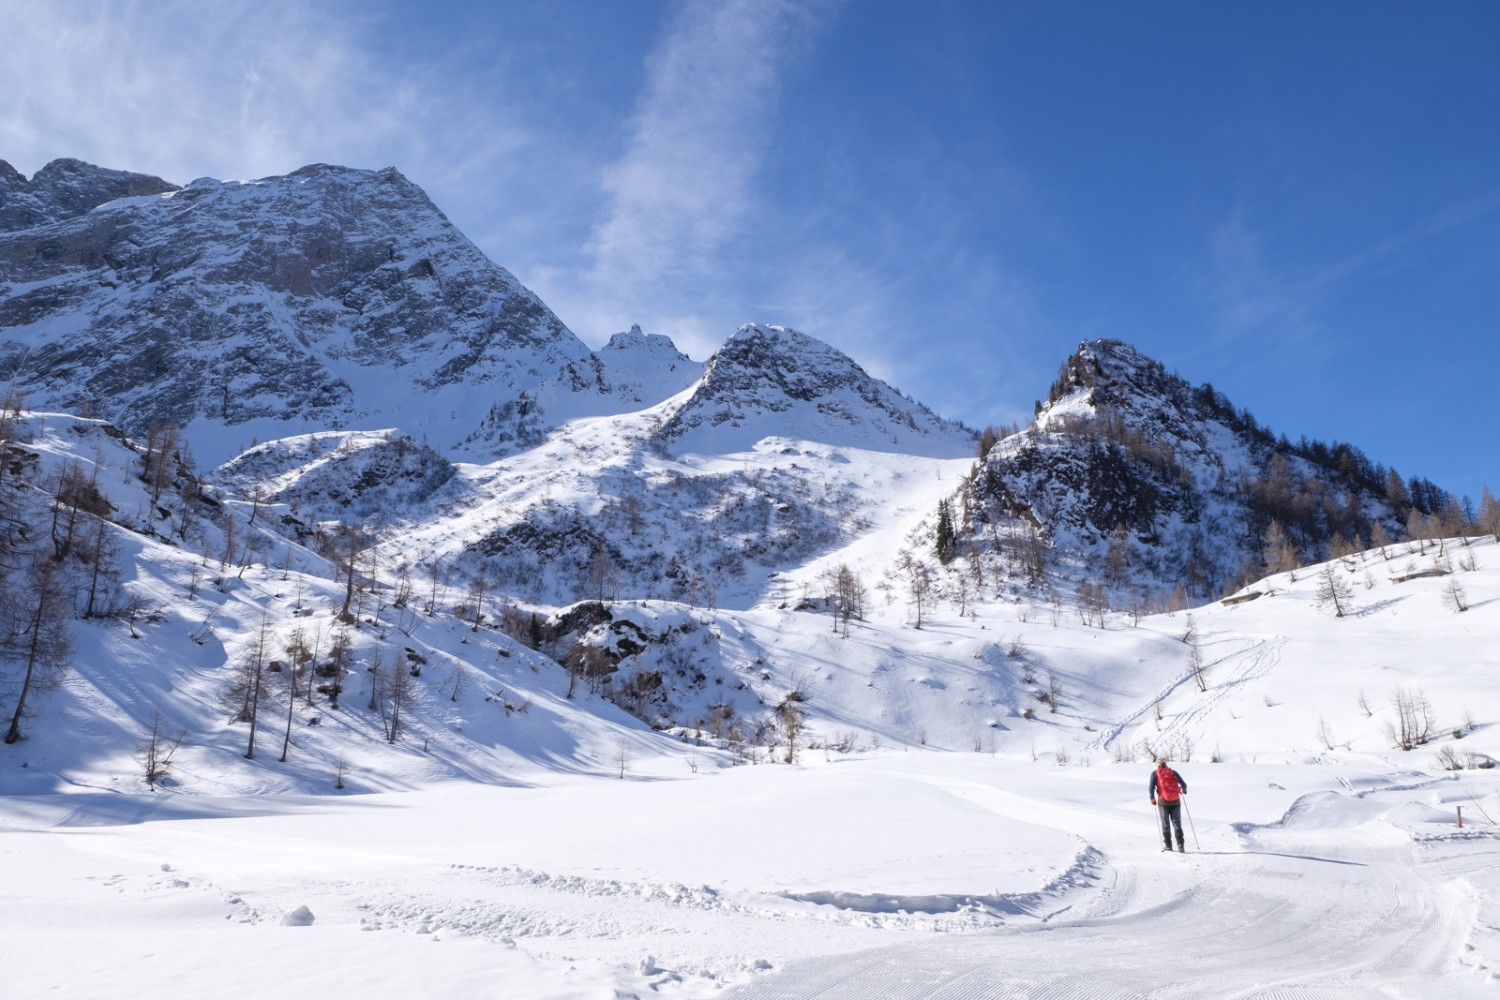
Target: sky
1299 203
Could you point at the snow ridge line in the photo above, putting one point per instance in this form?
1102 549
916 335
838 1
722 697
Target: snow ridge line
1080 875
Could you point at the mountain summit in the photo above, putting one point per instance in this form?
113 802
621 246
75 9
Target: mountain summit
327 298
66 189
770 380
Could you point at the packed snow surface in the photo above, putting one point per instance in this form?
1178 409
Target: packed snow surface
904 874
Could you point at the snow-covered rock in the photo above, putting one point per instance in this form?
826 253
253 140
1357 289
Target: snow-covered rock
328 298
65 189
769 381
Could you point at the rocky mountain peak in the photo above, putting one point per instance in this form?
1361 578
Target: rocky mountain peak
771 380
633 341
330 297
1169 483
65 189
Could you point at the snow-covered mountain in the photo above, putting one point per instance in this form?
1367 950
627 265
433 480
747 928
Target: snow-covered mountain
771 381
66 189
328 298
1135 480
444 413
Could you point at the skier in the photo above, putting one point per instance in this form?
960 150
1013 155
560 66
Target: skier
1167 789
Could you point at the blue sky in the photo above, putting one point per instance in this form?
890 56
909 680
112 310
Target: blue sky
1298 202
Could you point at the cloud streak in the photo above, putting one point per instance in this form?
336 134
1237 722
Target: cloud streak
680 194
1252 298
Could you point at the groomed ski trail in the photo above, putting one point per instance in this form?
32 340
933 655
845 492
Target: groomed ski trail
1326 904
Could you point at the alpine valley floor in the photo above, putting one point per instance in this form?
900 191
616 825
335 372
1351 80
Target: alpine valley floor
891 874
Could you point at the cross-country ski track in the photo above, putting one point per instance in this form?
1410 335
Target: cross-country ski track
1330 903
907 877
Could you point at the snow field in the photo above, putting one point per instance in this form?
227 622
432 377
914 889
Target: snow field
916 874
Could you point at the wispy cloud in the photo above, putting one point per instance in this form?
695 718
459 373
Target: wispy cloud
684 188
1251 297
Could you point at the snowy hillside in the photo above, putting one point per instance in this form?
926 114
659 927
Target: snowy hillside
632 503
937 815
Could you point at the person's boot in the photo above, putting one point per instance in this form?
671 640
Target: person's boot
1181 847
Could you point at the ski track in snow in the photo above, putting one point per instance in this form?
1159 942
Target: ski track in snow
1326 904
1355 892
1257 660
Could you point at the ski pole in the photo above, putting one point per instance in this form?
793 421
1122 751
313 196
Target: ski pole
1189 816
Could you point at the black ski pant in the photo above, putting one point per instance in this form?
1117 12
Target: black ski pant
1171 816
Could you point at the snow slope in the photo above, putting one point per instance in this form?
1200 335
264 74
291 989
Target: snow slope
929 839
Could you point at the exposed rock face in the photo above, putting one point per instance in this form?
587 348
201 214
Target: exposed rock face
327 298
1134 477
66 189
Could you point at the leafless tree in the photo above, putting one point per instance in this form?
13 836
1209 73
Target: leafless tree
600 574
1195 665
1279 551
1453 595
103 559
340 656
1334 591
398 687
299 659
1093 603
1118 557
154 750
630 506
347 542
849 597
918 583
251 681
479 589
36 639
791 720
1413 724
1489 513
623 758
231 535
435 578
1031 550
162 458
73 496
401 597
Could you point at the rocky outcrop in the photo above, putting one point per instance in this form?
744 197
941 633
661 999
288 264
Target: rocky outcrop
66 189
